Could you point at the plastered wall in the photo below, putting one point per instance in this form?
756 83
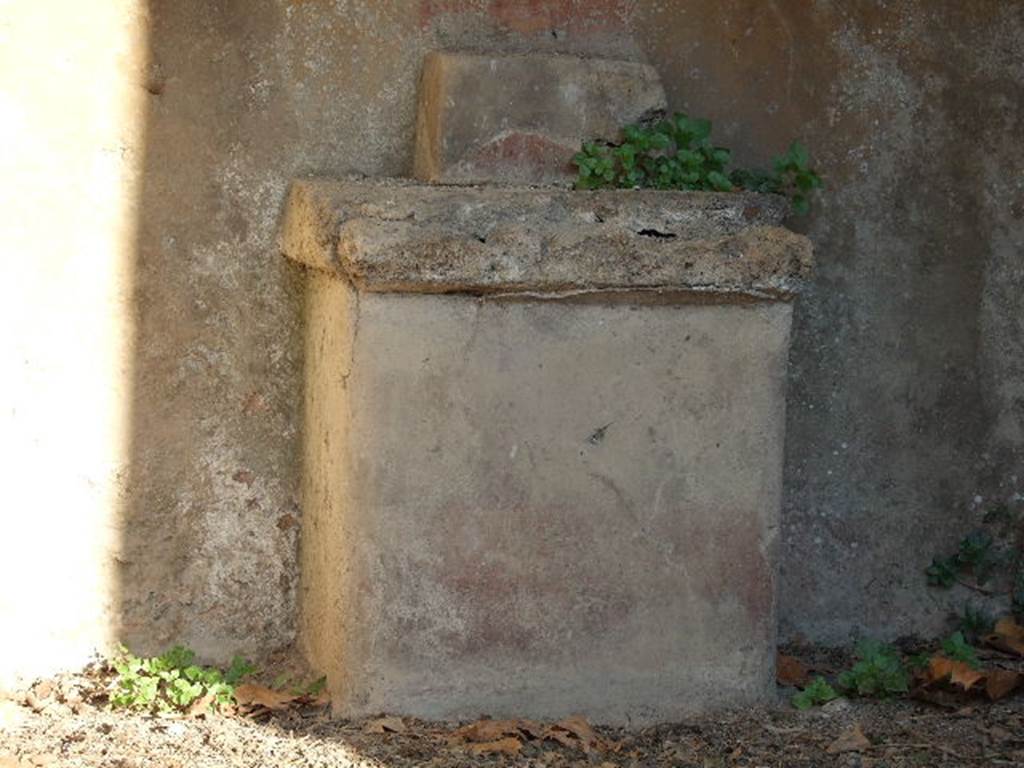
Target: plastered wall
153 403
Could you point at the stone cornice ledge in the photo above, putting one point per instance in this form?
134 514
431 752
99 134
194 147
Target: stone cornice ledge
398 236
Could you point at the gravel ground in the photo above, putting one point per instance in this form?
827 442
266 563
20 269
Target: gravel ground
58 723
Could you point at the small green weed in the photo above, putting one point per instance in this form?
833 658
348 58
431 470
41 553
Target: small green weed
942 572
955 647
878 672
919 661
817 693
975 622
990 560
975 555
677 153
172 681
286 681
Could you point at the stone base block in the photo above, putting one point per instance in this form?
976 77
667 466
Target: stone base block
560 497
541 507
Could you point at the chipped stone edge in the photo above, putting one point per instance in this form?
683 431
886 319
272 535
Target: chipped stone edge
311 234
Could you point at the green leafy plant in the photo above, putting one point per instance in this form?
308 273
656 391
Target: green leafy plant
172 681
919 661
817 693
879 671
296 686
795 178
989 559
942 572
975 622
957 648
677 153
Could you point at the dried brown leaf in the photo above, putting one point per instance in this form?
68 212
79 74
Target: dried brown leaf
999 683
852 740
564 738
1007 636
385 725
578 725
957 672
507 746
493 730
485 730
1007 627
575 731
321 699
531 729
250 695
790 671
200 706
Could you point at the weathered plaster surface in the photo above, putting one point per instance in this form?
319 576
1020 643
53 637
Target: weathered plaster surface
905 402
240 99
394 235
542 472
578 522
897 417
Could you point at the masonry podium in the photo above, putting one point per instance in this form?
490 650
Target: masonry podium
543 446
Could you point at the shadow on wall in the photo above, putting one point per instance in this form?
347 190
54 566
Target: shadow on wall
210 511
237 100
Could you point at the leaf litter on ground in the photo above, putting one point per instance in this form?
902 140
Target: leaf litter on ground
850 740
1007 636
790 671
965 674
69 716
486 735
385 725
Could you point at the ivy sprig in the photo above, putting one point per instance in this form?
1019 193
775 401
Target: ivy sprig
678 153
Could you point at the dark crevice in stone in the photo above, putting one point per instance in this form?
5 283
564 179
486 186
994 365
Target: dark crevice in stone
656 233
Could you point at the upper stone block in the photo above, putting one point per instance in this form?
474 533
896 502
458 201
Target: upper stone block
520 118
390 235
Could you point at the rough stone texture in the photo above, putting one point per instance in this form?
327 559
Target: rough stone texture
395 236
558 496
906 389
905 408
538 507
521 118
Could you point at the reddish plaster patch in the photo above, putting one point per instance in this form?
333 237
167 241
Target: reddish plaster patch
741 570
530 17
245 477
495 593
525 154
